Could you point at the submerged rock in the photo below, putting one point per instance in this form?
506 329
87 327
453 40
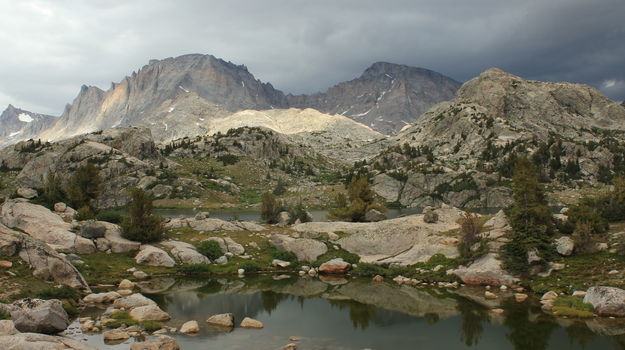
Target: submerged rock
251 323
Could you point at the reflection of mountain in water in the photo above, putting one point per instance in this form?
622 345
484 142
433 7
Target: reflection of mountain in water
361 314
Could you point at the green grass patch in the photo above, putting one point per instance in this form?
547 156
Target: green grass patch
111 268
340 253
210 249
195 269
63 292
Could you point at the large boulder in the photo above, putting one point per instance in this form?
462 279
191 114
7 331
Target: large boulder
429 215
26 192
305 249
46 262
565 245
486 270
149 313
185 252
41 223
39 316
607 301
223 320
133 301
335 266
116 242
153 256
404 241
35 341
93 229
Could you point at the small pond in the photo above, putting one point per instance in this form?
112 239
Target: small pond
358 314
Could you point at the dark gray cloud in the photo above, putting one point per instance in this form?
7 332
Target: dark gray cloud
52 47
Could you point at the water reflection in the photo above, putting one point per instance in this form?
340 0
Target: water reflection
361 314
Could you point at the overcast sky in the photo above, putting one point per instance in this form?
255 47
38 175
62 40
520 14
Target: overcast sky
51 48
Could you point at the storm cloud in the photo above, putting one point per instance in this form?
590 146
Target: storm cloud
51 48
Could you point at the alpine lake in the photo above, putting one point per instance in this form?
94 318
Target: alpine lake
341 313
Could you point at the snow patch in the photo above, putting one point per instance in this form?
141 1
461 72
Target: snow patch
25 118
171 109
15 133
183 89
362 114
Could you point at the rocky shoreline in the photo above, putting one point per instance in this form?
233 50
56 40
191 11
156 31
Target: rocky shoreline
57 248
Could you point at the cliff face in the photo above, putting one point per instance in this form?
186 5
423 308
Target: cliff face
385 97
176 97
173 97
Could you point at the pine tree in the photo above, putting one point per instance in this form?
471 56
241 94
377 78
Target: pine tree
84 187
530 219
140 225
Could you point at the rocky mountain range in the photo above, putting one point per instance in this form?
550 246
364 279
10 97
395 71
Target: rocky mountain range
175 97
19 124
462 151
386 96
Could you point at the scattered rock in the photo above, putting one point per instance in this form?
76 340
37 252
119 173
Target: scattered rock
60 207
6 264
520 297
140 275
565 245
224 320
162 342
333 236
126 284
607 301
190 327
27 193
486 270
550 295
378 278
185 252
579 293
335 266
201 215
39 316
132 301
101 298
115 335
490 295
291 346
221 260
251 323
602 247
153 256
92 229
280 263
149 313
429 215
